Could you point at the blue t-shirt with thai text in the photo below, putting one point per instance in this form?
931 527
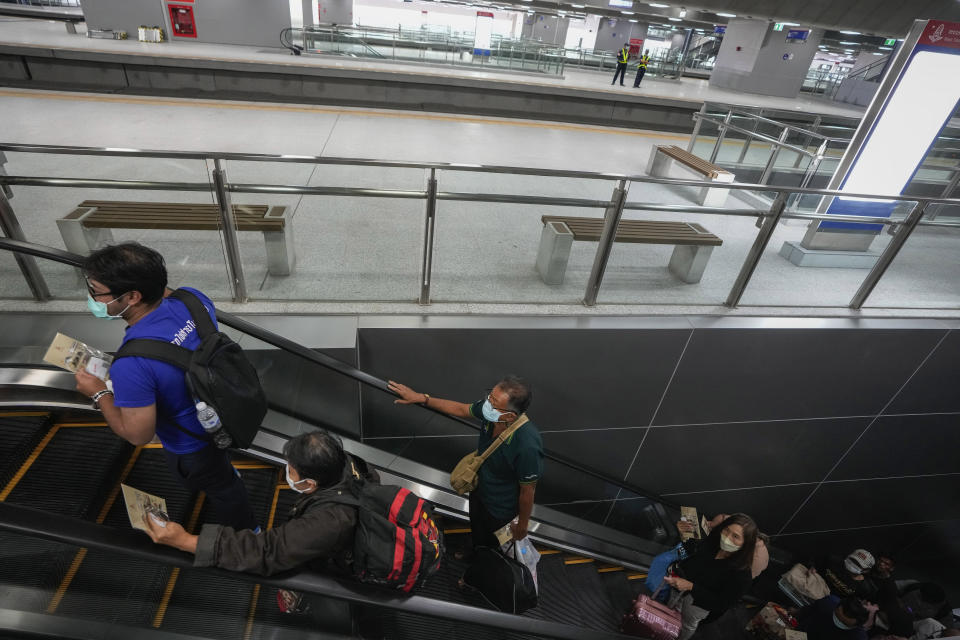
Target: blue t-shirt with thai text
140 382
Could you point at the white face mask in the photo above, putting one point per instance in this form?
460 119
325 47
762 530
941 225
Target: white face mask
727 544
293 485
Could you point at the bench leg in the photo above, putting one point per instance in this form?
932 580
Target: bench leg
81 240
281 257
688 262
554 253
713 196
659 163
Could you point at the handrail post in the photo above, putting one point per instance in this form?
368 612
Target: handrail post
721 136
909 224
28 266
807 139
749 139
696 127
611 220
428 234
774 152
229 225
814 165
756 251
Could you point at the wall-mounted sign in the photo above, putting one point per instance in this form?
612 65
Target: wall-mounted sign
720 28
798 34
622 4
778 26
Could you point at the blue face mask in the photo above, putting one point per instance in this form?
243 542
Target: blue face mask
838 624
99 309
490 414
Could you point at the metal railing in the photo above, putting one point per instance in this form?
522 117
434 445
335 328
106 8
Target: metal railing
220 188
815 145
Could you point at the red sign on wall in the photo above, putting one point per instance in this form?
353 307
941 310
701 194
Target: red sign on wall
941 34
182 23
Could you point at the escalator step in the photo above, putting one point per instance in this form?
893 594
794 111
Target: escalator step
620 591
30 570
18 437
119 589
211 606
73 472
560 597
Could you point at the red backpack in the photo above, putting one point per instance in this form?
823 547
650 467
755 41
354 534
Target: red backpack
397 543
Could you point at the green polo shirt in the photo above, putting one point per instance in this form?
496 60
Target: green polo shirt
519 460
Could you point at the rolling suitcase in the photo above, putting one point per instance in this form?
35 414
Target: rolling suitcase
648 618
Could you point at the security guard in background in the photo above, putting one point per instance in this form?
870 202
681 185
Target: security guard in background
642 68
622 56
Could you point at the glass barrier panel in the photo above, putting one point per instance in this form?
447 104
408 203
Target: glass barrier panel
925 273
791 275
333 247
488 251
55 165
652 270
67 218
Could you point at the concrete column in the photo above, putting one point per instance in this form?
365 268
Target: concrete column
612 33
545 29
339 12
756 59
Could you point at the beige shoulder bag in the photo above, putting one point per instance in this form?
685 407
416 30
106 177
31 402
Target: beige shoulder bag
464 477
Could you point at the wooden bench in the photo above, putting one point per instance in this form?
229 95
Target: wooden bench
88 226
694 244
662 156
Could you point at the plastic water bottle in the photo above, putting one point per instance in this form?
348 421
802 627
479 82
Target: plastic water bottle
210 422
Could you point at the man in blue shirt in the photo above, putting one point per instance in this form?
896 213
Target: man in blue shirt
150 398
508 478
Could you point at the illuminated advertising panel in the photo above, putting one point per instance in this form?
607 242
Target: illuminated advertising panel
919 106
482 33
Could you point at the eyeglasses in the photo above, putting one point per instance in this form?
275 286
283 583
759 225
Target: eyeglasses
94 294
490 400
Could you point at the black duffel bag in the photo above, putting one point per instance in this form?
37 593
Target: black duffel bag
505 583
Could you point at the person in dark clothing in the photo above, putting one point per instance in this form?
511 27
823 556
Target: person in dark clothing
642 68
715 574
831 618
622 56
319 533
850 576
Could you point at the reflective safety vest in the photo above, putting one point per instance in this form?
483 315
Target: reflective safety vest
622 56
643 62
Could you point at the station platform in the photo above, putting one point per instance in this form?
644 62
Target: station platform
40 54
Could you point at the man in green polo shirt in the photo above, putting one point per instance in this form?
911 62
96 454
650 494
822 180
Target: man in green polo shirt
508 478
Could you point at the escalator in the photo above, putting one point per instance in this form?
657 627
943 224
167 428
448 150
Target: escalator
72 567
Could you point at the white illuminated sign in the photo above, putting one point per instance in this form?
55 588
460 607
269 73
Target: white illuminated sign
482 33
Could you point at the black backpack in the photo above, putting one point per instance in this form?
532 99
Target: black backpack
397 543
217 372
504 582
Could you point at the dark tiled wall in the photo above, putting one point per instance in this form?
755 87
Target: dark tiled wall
828 437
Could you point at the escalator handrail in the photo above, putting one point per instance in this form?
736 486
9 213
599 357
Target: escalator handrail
82 533
324 360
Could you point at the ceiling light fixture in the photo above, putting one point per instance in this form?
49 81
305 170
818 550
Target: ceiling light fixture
790 24
851 33
674 19
627 13
848 42
727 15
658 5
577 6
632 20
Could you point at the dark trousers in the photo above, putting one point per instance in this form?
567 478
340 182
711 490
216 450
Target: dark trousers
209 470
482 524
621 71
640 72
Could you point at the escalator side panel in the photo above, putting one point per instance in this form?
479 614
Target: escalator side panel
30 571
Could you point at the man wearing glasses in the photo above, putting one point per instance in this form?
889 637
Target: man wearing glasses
149 397
508 478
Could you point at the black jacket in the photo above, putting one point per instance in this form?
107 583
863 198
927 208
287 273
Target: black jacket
317 533
717 584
